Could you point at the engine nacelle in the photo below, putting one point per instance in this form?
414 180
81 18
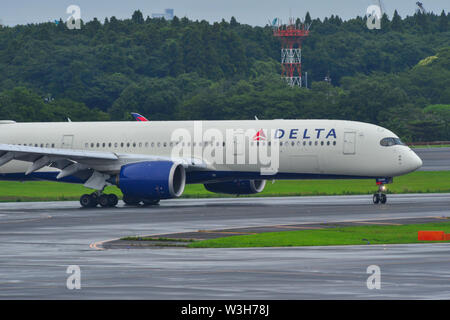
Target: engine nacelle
152 180
237 186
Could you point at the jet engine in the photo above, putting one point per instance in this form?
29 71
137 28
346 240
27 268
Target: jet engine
237 186
152 180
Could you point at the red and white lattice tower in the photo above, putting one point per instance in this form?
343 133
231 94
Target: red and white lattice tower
291 36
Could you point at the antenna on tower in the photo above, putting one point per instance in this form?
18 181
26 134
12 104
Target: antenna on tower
420 8
291 36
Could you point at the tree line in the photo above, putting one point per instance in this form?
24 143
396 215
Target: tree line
396 77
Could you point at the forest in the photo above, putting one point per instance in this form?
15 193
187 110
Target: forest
397 77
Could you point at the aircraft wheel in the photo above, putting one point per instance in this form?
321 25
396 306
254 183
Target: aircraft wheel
153 202
130 201
103 200
113 200
376 198
88 201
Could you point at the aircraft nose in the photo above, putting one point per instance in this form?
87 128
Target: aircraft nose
414 161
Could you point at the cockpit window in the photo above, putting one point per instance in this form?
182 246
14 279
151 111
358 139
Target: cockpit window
387 142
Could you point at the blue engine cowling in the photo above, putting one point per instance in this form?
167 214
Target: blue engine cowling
237 186
152 180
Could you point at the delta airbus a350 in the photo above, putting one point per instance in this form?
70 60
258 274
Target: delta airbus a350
154 160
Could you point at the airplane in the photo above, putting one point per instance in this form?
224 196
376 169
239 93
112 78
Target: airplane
153 160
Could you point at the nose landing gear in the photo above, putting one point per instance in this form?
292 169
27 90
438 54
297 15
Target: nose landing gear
380 196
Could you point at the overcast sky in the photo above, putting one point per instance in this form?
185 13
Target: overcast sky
253 12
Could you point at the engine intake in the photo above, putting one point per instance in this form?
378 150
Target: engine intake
237 186
152 180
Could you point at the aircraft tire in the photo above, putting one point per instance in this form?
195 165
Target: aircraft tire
88 201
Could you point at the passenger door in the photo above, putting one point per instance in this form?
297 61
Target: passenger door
349 142
67 142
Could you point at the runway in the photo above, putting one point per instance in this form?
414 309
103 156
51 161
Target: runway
38 241
434 159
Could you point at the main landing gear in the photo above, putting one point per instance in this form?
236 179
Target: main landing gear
94 199
132 201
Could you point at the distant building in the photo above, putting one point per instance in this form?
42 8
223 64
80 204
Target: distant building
168 14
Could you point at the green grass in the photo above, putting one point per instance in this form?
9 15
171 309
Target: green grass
326 237
431 146
137 238
416 182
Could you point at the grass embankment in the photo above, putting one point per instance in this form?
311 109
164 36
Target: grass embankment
416 182
326 237
430 146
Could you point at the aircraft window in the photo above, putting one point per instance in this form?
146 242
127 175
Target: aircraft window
98 145
165 144
316 143
321 143
310 143
293 143
116 145
159 144
328 143
110 144
304 143
269 143
281 143
146 144
223 143
53 145
121 144
171 144
334 143
92 145
387 142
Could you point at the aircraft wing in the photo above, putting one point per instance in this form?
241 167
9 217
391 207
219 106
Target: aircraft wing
82 163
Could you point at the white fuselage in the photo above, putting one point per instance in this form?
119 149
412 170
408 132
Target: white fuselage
313 147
